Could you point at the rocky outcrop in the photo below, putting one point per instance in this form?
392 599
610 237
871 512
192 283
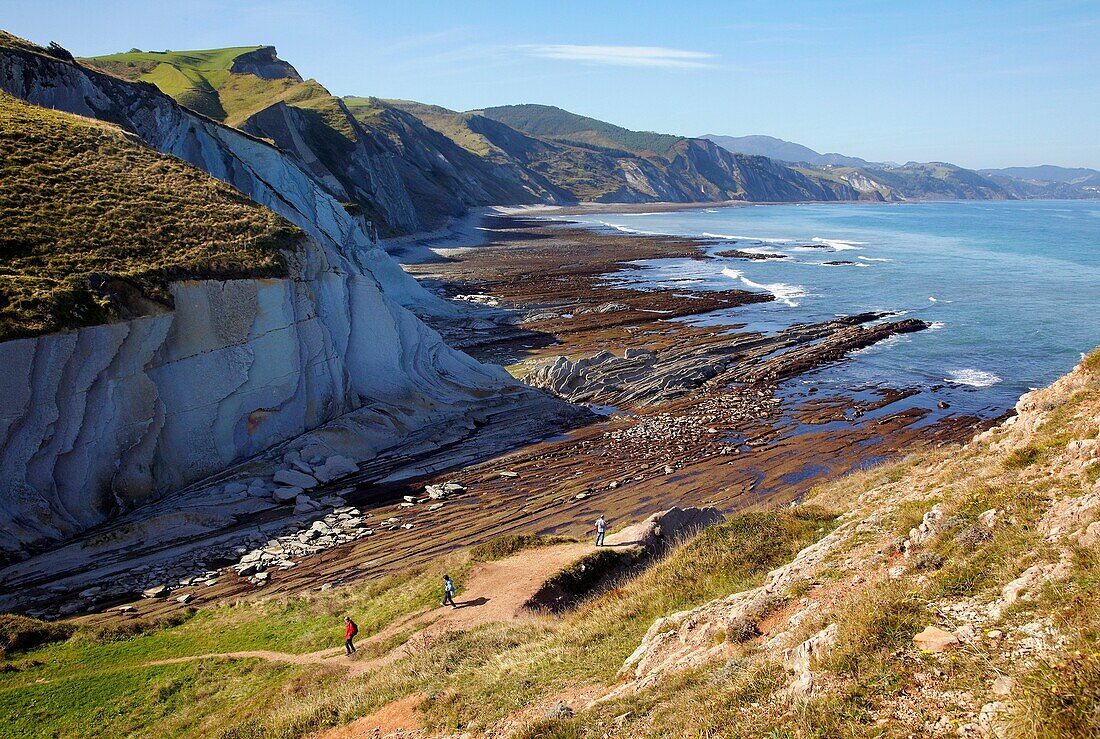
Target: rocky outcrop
264 63
641 377
100 420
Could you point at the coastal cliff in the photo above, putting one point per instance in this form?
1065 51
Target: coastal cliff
106 417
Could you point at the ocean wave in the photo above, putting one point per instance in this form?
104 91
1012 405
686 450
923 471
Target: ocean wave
759 239
936 325
783 292
874 259
631 230
837 244
972 377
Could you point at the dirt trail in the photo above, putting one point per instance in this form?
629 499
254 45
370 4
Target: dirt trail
494 591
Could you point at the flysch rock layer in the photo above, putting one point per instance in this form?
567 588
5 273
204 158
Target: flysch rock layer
96 421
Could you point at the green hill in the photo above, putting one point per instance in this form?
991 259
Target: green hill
222 84
555 123
96 225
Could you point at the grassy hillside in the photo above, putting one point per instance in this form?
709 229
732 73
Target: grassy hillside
95 224
555 123
204 80
996 543
450 123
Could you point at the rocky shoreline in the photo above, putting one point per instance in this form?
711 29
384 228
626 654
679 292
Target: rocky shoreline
698 416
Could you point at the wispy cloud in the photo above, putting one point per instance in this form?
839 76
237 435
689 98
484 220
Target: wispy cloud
622 56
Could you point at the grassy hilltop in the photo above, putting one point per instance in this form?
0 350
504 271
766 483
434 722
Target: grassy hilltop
206 81
95 225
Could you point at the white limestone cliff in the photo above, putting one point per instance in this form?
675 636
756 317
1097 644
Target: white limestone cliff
99 420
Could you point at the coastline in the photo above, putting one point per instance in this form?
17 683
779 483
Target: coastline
685 415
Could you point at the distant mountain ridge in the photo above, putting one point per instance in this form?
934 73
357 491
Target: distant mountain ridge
1049 173
923 180
407 166
784 151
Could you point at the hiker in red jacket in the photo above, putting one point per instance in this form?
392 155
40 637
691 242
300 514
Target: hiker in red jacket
350 630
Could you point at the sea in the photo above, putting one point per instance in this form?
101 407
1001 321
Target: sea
1011 289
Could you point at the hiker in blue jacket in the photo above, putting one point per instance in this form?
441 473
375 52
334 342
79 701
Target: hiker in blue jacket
448 592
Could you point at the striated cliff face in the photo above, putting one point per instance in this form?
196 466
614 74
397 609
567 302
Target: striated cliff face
98 420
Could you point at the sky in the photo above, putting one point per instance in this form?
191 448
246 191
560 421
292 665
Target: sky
1007 83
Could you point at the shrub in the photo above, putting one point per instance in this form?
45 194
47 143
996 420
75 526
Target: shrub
928 561
20 633
58 51
509 544
1023 457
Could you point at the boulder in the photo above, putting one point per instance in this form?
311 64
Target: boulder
934 639
335 467
185 598
294 478
798 659
157 591
509 474
286 495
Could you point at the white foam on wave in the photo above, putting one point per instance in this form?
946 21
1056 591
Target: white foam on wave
783 292
933 300
936 325
837 244
631 230
758 239
874 259
972 377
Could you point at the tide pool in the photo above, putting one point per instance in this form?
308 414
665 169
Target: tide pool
1011 289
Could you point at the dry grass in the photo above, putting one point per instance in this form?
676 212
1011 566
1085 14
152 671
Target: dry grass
96 226
509 544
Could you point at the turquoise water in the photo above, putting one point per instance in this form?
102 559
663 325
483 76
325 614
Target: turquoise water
1012 289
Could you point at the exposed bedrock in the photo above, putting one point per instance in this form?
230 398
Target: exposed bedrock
96 421
640 377
99 420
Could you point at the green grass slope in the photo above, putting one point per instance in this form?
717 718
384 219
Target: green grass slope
95 225
555 123
206 81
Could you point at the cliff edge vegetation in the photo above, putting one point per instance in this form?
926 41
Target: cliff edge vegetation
95 224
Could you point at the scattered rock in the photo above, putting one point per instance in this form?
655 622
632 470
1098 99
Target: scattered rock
934 639
294 478
335 467
559 711
286 495
157 591
509 474
185 598
798 659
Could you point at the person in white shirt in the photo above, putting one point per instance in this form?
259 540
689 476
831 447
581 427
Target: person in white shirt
601 529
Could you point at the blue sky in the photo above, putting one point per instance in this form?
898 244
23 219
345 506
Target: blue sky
979 84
